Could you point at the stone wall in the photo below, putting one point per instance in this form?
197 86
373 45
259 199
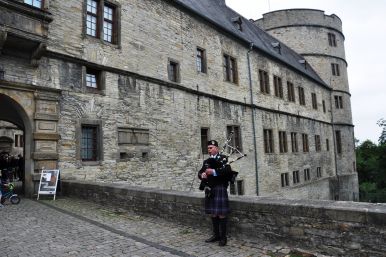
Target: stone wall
333 228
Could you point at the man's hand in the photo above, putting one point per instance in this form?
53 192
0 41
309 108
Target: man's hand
203 175
209 172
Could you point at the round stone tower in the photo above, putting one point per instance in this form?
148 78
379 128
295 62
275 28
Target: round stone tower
320 40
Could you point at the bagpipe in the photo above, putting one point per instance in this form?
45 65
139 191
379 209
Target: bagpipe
224 162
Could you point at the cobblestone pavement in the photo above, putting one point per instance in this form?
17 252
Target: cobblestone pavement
72 227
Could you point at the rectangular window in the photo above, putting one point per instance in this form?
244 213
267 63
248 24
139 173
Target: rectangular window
35 3
295 176
268 141
101 21
338 141
327 145
19 140
335 69
236 138
331 39
291 91
92 17
294 142
305 143
278 86
338 102
108 23
237 188
302 99
307 175
204 140
314 101
284 180
92 78
318 172
324 106
283 142
200 60
173 71
230 69
318 147
89 144
264 82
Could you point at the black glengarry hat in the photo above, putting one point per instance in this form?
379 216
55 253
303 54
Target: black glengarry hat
213 142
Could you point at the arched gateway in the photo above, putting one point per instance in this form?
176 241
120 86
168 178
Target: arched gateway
35 111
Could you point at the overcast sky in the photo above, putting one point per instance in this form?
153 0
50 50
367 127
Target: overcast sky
364 27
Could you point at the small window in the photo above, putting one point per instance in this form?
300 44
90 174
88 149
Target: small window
338 141
291 91
174 71
335 69
314 101
264 82
103 23
318 147
318 172
35 3
307 175
94 80
332 39
268 141
89 144
19 140
324 106
204 140
338 102
278 86
230 69
283 142
237 188
305 143
294 142
327 145
295 176
200 60
284 179
236 138
302 99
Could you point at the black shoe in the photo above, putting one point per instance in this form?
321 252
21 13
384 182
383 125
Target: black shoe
214 238
223 242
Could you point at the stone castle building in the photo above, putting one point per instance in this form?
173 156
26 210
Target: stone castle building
130 91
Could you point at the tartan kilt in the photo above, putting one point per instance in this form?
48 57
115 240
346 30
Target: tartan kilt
218 203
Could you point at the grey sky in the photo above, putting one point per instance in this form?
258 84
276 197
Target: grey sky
364 27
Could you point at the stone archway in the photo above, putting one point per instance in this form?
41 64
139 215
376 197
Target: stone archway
13 112
35 111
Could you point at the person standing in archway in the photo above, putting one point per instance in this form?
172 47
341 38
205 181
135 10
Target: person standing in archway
20 169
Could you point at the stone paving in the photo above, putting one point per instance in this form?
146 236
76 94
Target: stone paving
72 227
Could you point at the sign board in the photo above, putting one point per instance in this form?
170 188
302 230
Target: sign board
48 182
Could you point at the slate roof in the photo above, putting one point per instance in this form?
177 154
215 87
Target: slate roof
220 15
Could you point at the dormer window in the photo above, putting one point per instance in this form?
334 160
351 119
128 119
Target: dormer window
304 62
277 46
237 21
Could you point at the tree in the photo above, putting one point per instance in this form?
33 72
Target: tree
382 138
371 167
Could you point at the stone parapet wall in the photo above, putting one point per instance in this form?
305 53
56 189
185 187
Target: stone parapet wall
334 228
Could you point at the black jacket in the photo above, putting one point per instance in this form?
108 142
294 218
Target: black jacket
223 171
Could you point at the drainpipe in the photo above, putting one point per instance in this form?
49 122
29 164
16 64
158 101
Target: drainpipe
253 117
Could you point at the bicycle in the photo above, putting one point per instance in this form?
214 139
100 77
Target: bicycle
9 195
